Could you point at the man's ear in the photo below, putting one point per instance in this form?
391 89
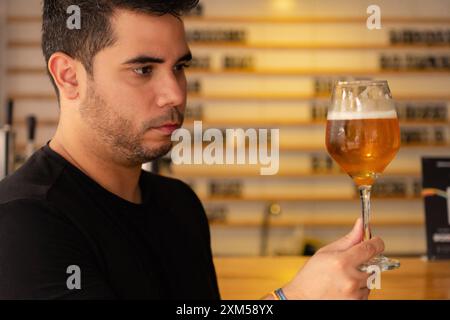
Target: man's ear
63 69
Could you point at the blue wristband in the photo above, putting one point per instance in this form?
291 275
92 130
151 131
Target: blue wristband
279 292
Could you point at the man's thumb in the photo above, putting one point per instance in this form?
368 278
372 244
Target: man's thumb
352 238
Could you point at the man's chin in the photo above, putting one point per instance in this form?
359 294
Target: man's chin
157 150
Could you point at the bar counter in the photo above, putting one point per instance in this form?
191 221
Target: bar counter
242 278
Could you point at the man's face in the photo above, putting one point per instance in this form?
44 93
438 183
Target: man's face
137 94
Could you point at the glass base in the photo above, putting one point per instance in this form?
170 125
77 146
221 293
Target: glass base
382 262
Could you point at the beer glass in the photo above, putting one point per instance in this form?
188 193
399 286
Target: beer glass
363 136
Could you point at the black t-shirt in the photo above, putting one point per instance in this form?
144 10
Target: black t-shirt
53 216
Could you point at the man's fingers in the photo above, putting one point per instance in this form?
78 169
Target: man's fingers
363 281
364 251
352 238
360 275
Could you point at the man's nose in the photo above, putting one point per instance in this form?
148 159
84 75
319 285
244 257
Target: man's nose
171 91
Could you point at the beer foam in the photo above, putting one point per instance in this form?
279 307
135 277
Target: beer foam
349 115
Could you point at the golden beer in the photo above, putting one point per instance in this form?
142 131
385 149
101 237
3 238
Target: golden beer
363 144
363 137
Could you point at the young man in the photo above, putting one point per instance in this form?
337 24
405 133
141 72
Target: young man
80 219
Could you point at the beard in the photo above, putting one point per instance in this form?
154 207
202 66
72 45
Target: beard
119 135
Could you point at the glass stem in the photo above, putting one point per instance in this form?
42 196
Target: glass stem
364 193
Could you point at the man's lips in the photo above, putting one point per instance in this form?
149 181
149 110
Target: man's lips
168 128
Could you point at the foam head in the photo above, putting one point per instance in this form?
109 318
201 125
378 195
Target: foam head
349 115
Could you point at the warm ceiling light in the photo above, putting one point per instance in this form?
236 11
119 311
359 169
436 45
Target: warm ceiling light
283 5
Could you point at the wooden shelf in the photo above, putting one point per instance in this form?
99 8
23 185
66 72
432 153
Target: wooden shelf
23 19
244 97
250 123
233 175
275 20
25 70
15 44
301 199
300 72
304 72
283 175
312 46
318 20
294 123
40 123
300 97
323 148
329 221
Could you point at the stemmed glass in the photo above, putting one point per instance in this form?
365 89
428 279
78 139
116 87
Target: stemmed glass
363 136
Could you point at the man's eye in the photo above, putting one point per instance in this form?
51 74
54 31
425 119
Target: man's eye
143 71
182 66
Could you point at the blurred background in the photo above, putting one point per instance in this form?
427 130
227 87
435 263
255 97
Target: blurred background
271 64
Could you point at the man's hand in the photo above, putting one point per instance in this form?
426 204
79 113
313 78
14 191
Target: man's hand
332 273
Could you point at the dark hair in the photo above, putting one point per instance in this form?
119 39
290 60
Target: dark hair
96 32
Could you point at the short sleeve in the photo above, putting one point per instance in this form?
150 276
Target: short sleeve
44 256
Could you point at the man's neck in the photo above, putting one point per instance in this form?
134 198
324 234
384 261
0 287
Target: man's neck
121 180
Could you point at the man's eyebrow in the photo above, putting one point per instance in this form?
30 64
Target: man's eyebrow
186 57
143 59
